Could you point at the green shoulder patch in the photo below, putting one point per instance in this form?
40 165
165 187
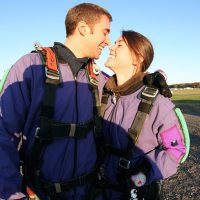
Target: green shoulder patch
186 134
3 80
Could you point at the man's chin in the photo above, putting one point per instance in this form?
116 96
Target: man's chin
97 57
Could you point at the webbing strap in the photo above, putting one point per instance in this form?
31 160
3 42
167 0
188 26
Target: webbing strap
54 188
136 126
44 134
95 94
60 130
104 102
50 59
148 97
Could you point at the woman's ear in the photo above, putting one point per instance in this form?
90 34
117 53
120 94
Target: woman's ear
138 64
140 59
135 68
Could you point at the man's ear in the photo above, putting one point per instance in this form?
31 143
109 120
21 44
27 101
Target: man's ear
83 28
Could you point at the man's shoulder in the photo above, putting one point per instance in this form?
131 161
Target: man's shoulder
32 58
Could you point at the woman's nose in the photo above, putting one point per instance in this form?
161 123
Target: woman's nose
112 48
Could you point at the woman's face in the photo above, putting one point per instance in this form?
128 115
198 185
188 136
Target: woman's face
120 56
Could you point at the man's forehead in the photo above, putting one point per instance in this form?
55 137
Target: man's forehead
104 22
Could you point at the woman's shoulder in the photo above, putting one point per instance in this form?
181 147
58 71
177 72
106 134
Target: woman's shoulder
163 104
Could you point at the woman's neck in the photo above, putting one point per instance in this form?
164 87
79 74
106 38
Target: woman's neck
123 76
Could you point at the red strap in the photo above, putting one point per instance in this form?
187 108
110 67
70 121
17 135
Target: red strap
50 59
91 72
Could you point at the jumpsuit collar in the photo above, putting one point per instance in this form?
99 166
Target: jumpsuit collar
129 87
65 55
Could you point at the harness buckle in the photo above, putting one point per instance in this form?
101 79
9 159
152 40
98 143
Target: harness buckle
81 180
55 75
37 130
124 163
93 81
150 92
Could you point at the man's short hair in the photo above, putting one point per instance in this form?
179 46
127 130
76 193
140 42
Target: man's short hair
87 12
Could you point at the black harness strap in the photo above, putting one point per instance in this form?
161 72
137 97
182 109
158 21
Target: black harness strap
98 181
54 188
50 130
148 96
42 138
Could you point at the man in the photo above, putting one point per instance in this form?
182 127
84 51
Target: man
52 112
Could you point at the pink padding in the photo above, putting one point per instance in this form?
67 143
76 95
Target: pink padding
170 135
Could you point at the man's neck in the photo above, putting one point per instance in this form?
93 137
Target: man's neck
74 45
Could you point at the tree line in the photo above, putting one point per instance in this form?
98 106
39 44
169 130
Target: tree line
185 85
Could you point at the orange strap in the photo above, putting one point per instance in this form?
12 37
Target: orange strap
50 59
90 69
30 193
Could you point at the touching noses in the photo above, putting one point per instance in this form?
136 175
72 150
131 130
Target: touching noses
112 48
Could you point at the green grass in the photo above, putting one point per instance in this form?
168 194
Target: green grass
186 95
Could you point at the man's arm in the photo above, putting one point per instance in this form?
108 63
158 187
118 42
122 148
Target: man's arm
13 108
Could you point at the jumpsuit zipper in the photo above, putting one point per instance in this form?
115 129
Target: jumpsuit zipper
75 139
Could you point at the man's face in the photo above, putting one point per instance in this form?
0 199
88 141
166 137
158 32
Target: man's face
98 38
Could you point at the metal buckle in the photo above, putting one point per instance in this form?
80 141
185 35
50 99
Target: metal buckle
36 132
93 81
81 180
55 75
150 92
57 187
124 163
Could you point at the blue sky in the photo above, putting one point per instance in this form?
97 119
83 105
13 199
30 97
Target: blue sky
173 26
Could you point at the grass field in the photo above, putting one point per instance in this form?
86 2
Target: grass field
188 100
186 95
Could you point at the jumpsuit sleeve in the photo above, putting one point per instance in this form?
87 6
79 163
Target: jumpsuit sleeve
14 102
166 159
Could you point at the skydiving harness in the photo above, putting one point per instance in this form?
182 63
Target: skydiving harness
49 130
148 96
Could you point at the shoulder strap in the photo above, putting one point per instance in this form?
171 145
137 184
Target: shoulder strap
92 78
42 137
92 73
148 96
50 62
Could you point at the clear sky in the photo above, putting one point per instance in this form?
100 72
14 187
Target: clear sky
173 26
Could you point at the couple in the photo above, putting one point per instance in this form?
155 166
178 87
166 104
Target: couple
55 113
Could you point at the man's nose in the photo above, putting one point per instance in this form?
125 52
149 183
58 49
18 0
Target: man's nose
107 41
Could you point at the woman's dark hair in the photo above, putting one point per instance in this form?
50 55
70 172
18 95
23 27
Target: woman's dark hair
139 45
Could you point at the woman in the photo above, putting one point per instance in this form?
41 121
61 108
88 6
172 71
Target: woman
143 146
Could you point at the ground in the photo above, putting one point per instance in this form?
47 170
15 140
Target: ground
185 185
